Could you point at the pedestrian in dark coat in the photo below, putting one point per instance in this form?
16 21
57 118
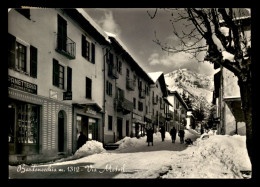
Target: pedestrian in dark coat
173 134
149 134
181 135
81 140
162 130
202 130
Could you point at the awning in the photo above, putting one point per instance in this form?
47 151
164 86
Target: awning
146 119
84 105
138 121
234 104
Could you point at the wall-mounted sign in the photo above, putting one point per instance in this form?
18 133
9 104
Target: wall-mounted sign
53 94
22 85
67 95
136 116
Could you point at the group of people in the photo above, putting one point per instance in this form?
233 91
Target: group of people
173 132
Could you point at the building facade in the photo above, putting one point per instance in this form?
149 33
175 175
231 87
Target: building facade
53 63
179 110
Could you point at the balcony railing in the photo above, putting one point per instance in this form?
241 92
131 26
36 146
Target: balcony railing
130 84
112 72
169 116
142 94
66 46
122 104
155 101
162 106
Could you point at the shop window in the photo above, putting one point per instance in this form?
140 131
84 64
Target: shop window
27 123
92 129
110 122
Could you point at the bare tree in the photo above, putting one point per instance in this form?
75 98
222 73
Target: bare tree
219 35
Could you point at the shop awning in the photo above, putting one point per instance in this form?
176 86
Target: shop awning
93 105
234 104
138 121
147 119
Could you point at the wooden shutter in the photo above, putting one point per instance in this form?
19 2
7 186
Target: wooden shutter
33 61
93 53
11 50
87 50
69 79
55 72
83 42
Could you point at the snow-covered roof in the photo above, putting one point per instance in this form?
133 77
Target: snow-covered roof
155 75
93 23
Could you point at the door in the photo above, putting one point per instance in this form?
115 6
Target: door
119 128
127 128
60 132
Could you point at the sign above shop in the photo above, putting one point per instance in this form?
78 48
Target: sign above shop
90 111
22 85
53 94
67 95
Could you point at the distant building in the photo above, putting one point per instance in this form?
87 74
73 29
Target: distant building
179 109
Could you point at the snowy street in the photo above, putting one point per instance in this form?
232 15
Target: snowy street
213 157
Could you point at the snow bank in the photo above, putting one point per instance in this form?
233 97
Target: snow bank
90 148
217 156
130 142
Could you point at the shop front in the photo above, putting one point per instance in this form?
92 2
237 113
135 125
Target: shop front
38 127
88 120
138 125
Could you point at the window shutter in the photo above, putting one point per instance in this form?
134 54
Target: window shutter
33 61
69 79
87 50
62 33
93 53
11 50
83 41
55 72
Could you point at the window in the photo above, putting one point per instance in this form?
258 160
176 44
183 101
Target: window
140 106
127 128
127 73
119 65
20 61
24 11
85 48
110 122
134 101
88 88
135 79
58 74
109 88
62 34
69 79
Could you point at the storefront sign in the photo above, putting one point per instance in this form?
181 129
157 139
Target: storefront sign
53 94
22 85
90 111
67 95
136 116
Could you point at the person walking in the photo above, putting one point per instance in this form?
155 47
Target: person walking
181 135
173 134
149 134
81 140
162 131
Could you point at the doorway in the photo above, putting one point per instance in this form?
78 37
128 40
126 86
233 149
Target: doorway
119 128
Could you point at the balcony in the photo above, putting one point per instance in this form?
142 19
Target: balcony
142 94
66 46
130 84
112 72
169 116
155 102
162 106
122 104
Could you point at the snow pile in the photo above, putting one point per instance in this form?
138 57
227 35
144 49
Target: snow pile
215 157
130 142
90 148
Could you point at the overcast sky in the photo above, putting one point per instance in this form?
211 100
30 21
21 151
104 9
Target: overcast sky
136 30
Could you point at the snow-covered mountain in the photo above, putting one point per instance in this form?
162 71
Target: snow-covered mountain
197 86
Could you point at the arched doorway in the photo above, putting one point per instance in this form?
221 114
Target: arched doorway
61 131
